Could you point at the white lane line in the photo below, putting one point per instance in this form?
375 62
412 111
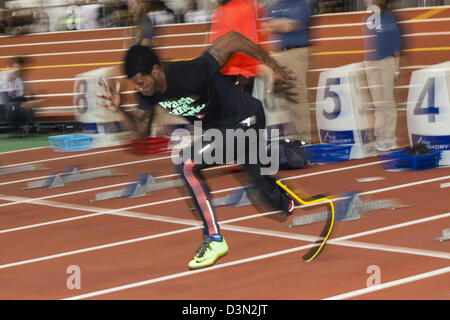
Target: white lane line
424 20
125 212
104 246
394 249
186 273
68 94
334 170
20 200
65 53
64 42
28 149
37 201
176 174
418 34
352 244
337 241
388 228
68 79
64 157
445 185
71 32
405 185
390 284
214 267
89 169
333 241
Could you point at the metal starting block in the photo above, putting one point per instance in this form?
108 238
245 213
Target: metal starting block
346 209
236 198
18 169
72 174
145 183
445 235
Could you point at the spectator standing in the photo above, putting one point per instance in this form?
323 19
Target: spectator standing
382 65
237 15
3 24
160 14
197 13
289 24
143 32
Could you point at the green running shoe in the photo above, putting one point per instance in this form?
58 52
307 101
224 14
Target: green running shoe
208 252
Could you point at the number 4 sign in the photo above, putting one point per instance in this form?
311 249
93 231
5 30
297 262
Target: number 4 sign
428 111
340 110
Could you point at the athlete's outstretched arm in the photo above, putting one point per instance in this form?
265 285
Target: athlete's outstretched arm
222 48
139 121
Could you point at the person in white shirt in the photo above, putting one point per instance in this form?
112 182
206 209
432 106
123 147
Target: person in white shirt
14 107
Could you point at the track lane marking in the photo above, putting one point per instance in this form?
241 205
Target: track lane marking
429 14
390 284
38 201
89 169
63 157
173 175
214 267
337 241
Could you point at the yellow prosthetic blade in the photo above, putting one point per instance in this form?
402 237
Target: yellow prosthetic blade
305 202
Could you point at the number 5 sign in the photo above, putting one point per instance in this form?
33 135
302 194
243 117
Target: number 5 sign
340 110
428 111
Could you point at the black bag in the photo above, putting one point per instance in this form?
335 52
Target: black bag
15 114
417 149
292 154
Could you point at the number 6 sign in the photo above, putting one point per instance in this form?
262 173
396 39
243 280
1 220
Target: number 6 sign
428 111
340 112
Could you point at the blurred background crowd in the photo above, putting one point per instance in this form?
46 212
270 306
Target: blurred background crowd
29 16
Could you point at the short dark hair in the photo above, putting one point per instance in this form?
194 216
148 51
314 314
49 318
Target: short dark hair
20 60
139 59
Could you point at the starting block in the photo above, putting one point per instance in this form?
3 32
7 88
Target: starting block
445 235
349 208
18 169
71 174
145 183
236 198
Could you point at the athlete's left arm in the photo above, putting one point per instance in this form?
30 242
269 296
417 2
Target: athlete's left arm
222 48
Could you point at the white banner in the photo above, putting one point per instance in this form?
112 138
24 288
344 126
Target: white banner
104 126
340 110
428 111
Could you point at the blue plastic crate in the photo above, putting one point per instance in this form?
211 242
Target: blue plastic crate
327 153
402 160
70 142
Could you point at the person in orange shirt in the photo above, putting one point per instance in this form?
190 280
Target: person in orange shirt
237 15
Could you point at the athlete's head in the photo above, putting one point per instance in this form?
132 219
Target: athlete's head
143 68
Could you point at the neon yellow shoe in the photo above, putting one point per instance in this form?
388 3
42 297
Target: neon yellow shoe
208 252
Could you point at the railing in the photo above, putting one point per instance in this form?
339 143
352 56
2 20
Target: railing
32 16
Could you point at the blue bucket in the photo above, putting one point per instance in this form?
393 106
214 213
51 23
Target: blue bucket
70 142
327 153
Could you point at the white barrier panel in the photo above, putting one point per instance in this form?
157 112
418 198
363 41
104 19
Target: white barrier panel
340 110
104 126
428 111
275 108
